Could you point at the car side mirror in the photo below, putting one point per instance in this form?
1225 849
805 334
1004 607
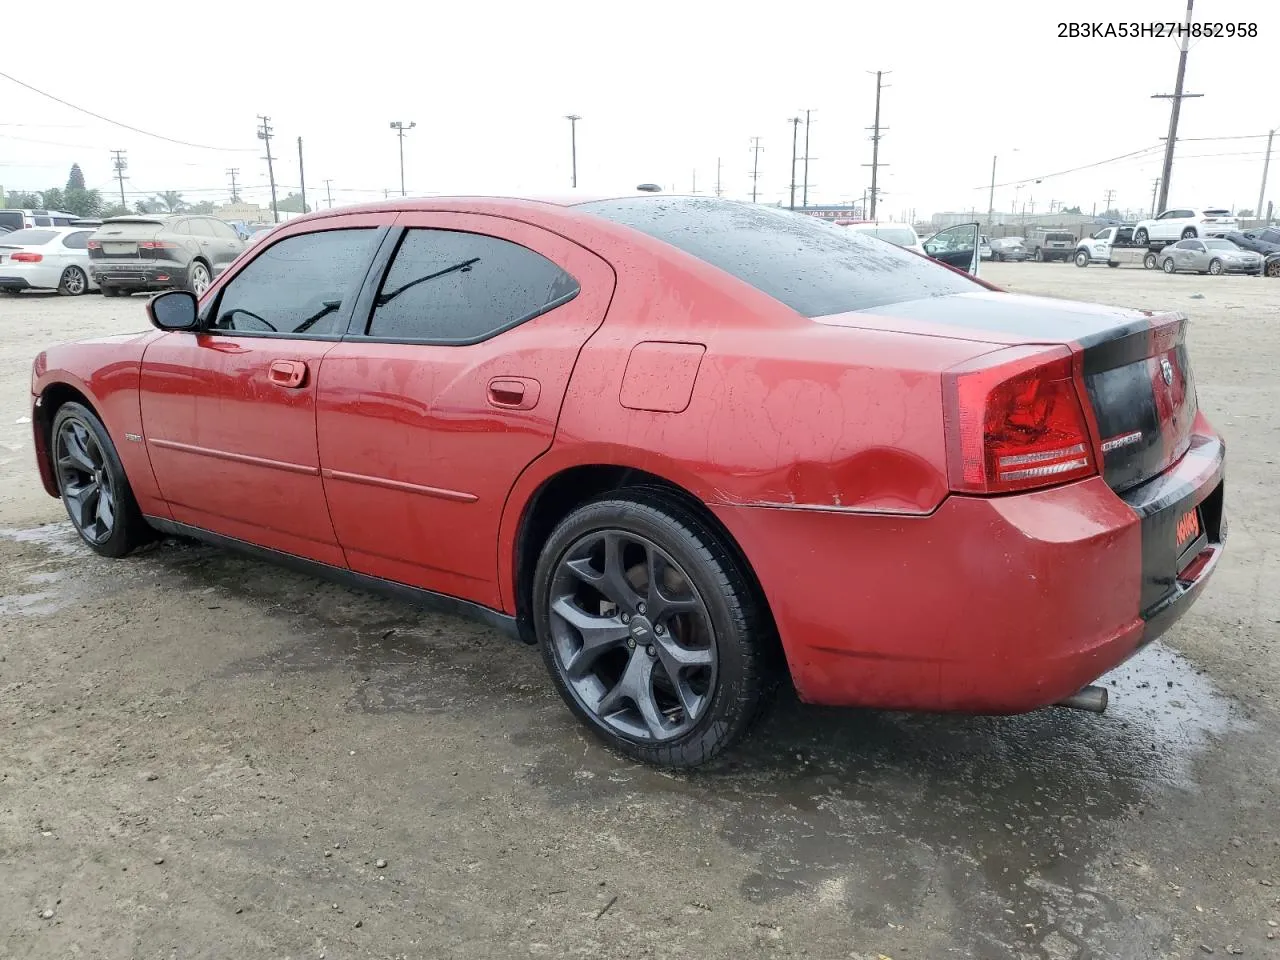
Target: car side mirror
174 310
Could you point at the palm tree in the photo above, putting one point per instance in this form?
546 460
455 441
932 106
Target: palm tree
172 200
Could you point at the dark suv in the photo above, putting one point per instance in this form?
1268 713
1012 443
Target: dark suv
128 254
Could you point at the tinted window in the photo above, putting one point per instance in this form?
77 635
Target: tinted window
793 258
11 220
1219 245
463 287
41 221
32 238
182 228
299 285
77 240
1195 245
201 228
223 230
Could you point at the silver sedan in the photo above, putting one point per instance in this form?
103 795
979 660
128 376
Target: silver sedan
1208 256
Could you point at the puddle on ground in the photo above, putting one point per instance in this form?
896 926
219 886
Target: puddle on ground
996 821
42 584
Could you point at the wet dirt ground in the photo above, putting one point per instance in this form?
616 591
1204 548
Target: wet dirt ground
205 756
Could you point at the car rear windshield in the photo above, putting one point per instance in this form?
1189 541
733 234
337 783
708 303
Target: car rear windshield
130 228
815 268
1068 237
10 220
29 238
1217 213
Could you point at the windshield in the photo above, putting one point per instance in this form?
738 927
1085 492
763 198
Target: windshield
794 258
29 238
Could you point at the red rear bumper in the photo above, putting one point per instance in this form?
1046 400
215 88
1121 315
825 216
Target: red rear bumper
996 605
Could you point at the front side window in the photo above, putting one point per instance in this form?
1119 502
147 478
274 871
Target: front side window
299 286
222 230
450 287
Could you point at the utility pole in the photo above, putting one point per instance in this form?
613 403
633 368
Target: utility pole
265 134
329 192
573 119
804 198
234 172
1109 194
400 128
121 164
1155 187
795 132
875 144
1174 110
991 197
694 190
718 190
755 166
1262 190
302 177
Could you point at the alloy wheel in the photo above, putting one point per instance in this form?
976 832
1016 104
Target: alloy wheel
74 282
85 481
632 636
199 279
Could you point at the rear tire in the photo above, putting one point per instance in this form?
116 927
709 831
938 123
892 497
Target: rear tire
725 632
1149 262
73 283
1215 268
1189 233
1273 269
1140 237
198 278
1112 264
93 485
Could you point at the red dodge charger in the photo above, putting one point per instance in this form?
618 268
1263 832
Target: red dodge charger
685 446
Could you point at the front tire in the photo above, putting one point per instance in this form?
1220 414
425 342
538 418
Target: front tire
1273 269
1149 262
1215 268
198 279
651 629
73 283
1082 258
93 484
1140 237
1167 266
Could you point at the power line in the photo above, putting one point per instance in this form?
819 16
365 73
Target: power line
117 123
1086 166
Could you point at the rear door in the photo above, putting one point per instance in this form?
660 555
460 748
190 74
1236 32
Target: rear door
448 386
229 412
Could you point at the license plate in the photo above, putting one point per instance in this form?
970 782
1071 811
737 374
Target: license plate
1188 527
109 247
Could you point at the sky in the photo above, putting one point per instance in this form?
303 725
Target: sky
666 91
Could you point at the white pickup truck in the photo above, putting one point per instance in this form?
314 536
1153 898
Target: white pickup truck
1114 246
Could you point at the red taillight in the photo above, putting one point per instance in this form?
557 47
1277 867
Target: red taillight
157 245
1017 423
27 257
94 244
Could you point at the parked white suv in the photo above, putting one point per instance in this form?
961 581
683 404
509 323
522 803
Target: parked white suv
1185 224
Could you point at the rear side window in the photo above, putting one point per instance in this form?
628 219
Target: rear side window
29 237
793 258
1055 237
42 221
77 241
298 286
451 287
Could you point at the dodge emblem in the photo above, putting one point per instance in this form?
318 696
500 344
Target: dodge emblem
1166 371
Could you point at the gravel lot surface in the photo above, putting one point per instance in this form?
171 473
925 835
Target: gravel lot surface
205 756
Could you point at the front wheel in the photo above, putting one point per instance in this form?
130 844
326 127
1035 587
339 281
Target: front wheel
1140 237
1082 258
1168 266
1215 268
651 630
73 282
93 485
1273 268
198 280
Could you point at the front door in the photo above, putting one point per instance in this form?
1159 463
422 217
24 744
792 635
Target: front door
229 412
447 390
956 247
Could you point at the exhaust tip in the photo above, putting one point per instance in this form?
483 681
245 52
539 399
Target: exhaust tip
1092 698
